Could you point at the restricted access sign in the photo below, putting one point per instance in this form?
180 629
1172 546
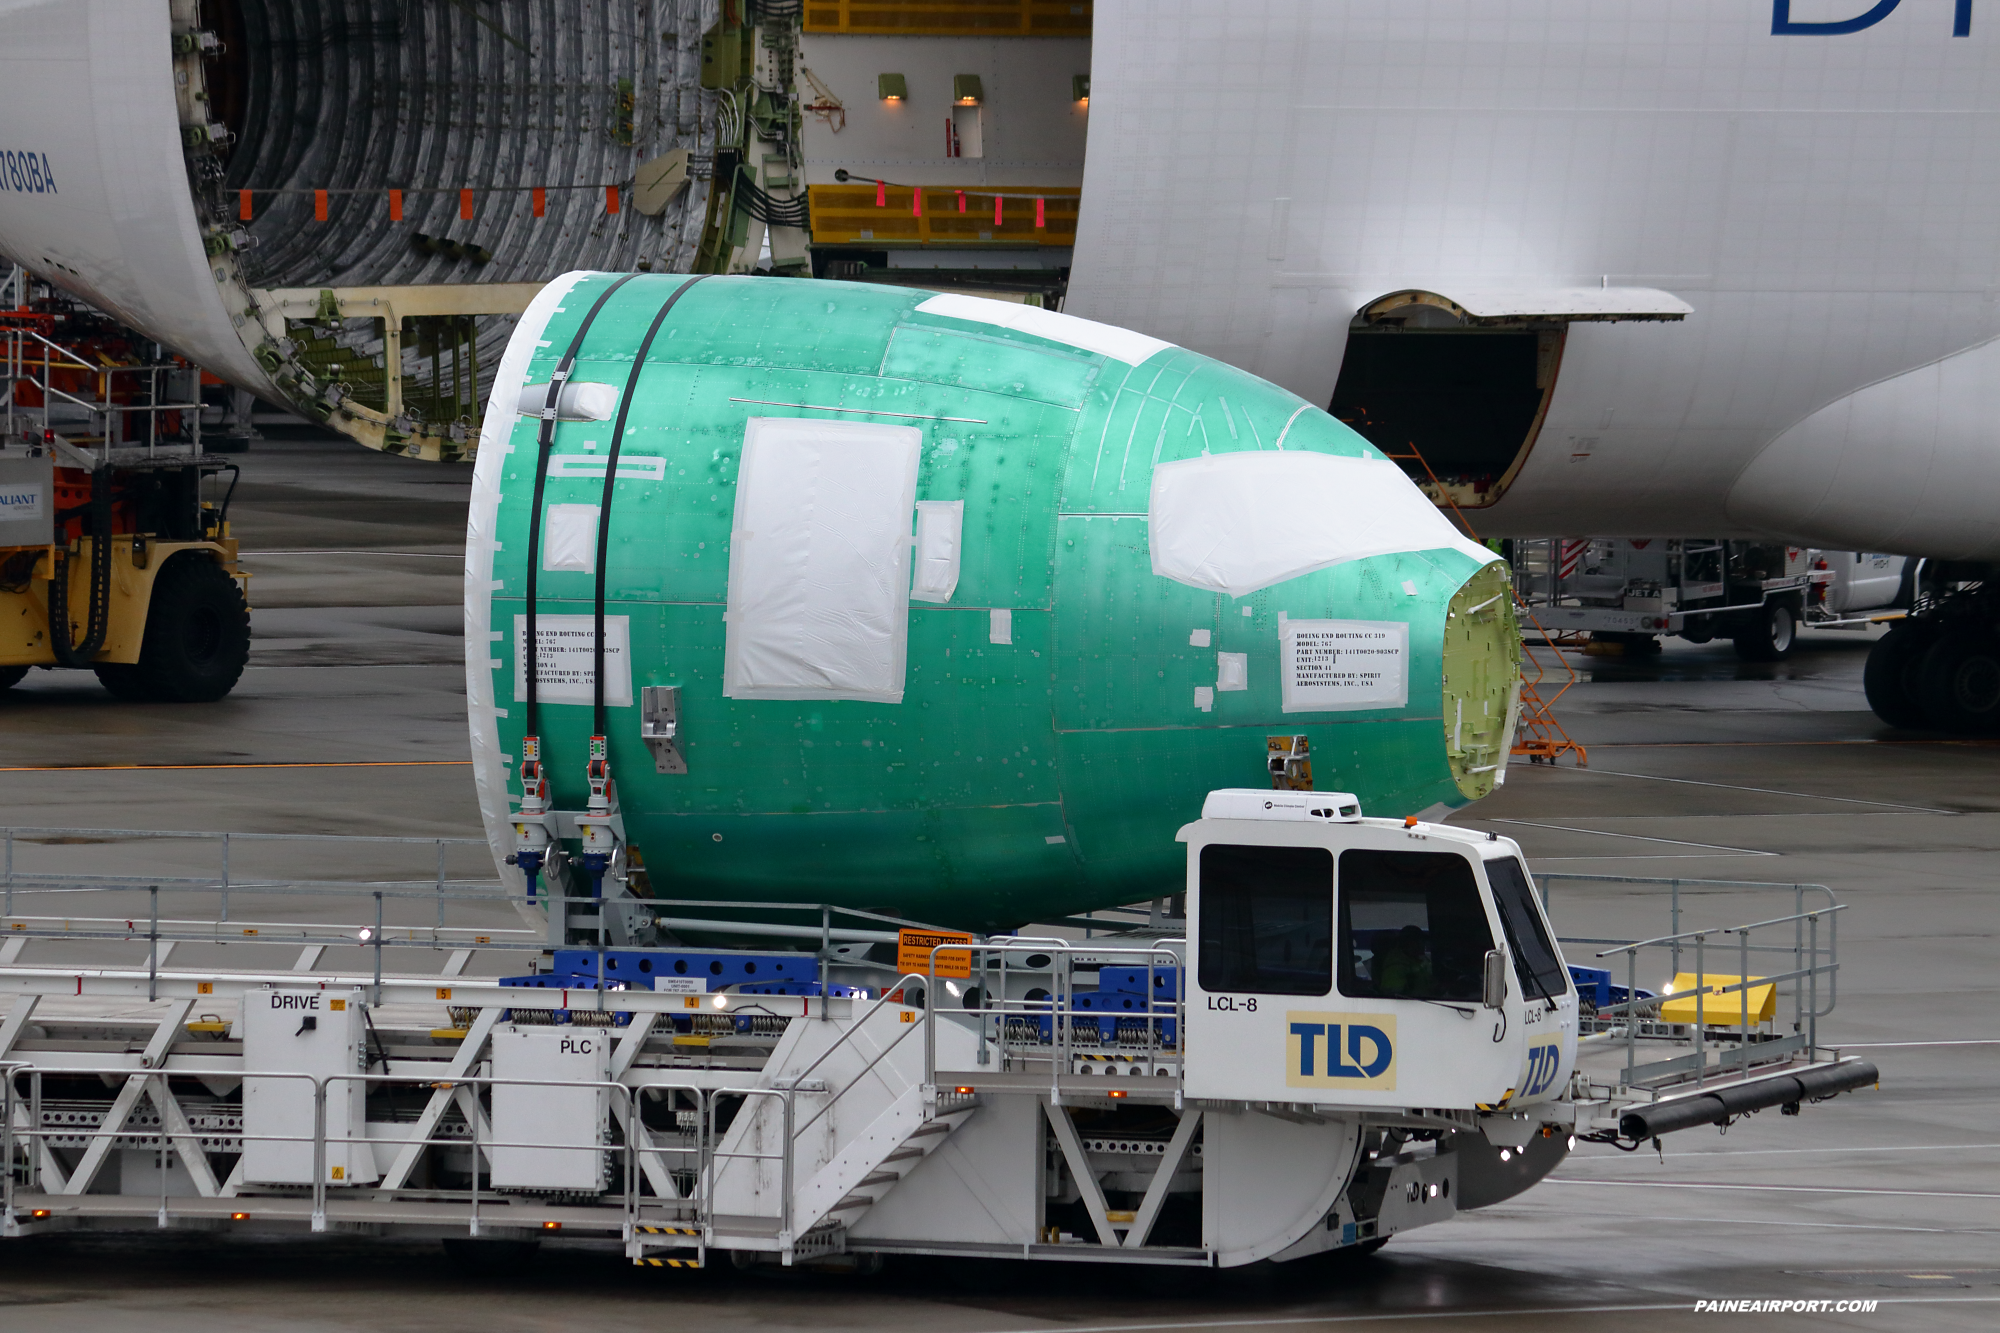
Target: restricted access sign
913 952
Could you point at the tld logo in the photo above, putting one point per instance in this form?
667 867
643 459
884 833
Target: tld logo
1355 1051
1783 25
1543 1064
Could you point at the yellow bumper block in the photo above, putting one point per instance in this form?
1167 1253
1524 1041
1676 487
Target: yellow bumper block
1718 1011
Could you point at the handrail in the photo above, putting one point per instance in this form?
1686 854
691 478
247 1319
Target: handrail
1060 1005
1725 930
1811 961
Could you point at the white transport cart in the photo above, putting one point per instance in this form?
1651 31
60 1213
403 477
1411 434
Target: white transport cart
1368 1027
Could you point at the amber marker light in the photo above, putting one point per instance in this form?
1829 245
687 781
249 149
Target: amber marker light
963 1092
552 1226
239 1217
39 1213
1116 1092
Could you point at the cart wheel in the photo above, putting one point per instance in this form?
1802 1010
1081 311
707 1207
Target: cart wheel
197 636
1770 636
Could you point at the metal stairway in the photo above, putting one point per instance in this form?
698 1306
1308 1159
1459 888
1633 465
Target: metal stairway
872 1163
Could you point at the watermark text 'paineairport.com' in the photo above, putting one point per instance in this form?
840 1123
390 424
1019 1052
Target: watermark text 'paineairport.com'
1784 1307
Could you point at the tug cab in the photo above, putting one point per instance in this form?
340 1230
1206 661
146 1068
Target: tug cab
1342 962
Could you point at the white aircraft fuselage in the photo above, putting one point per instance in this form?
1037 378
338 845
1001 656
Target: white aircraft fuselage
1825 200
1745 250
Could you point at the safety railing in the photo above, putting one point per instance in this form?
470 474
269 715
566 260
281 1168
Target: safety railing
1157 1029
27 350
625 1205
1810 983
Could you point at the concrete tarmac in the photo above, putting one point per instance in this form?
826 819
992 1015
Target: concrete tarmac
1700 768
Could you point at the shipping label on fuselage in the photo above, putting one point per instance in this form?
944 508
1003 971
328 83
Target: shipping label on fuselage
1331 666
1352 1051
566 665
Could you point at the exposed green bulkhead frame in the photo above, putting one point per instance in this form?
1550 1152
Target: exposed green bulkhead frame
1160 562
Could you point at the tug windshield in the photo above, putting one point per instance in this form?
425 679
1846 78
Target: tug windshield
1411 926
1266 919
1536 963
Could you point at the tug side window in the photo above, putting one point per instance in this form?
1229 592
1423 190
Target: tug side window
1266 919
1537 965
1411 926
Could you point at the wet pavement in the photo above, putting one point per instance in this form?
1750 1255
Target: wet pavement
1700 768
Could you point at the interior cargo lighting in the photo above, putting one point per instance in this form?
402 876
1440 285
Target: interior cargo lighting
966 90
892 87
1079 88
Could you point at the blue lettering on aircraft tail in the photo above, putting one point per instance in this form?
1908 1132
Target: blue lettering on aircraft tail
1782 24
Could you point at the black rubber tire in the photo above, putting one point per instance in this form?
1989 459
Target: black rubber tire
1958 684
123 680
1770 634
1890 678
11 676
197 636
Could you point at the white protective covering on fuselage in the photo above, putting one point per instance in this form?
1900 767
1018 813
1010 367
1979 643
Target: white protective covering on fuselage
1234 523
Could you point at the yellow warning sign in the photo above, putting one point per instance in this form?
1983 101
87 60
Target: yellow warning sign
913 952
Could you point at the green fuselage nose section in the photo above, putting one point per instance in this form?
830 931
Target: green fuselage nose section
1026 746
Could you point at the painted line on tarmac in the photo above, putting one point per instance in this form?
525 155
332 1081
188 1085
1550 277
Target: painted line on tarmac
1780 1189
165 768
1636 837
1767 791
1661 856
